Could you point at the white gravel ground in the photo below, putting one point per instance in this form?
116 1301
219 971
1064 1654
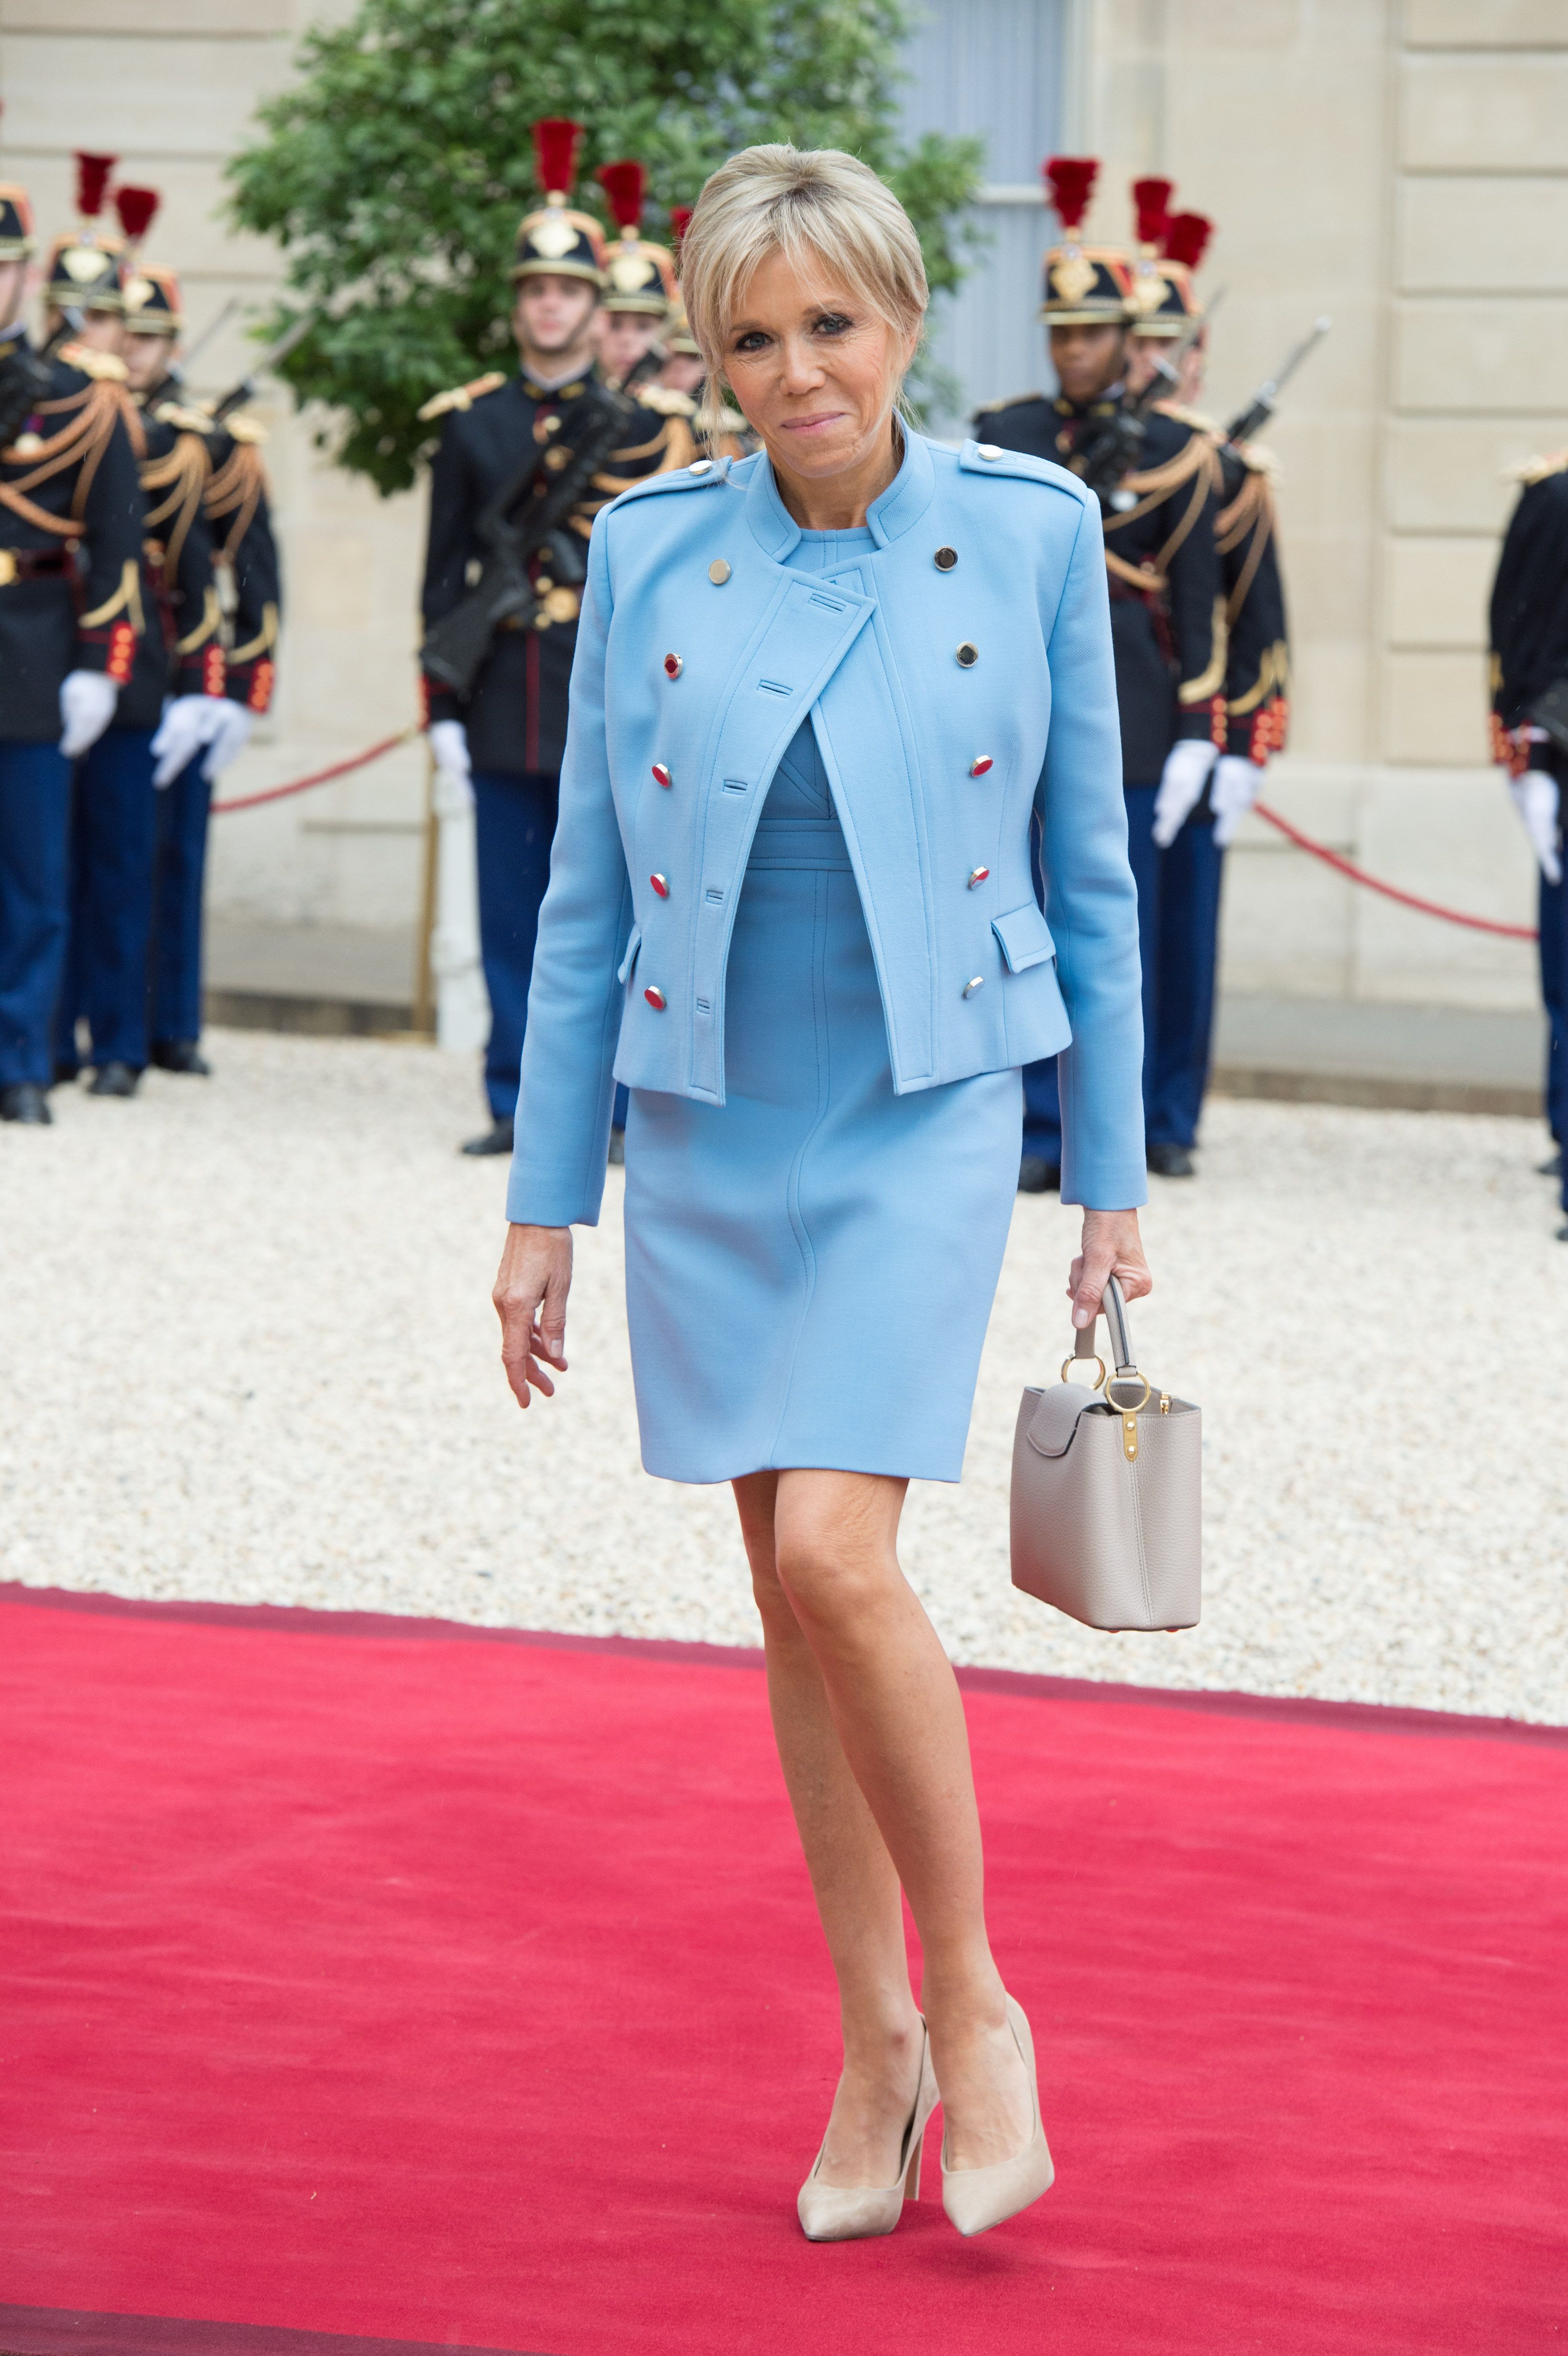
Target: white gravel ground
248 1353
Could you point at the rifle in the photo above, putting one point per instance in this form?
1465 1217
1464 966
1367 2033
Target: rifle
457 644
1261 408
239 394
174 377
24 374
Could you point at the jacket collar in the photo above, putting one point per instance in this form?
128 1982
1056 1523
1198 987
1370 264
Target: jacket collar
888 517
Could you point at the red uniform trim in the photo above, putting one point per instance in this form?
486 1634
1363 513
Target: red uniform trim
121 653
212 669
260 693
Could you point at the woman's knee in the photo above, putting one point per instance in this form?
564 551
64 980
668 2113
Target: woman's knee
832 1569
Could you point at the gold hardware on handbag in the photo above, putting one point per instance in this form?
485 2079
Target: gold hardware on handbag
1107 1519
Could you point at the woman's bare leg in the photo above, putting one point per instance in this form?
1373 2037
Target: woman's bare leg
892 1702
857 1889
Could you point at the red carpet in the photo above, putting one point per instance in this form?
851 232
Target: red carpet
428 1986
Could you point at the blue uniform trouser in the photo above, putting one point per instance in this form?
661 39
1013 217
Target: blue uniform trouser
515 826
174 982
114 832
1179 938
34 906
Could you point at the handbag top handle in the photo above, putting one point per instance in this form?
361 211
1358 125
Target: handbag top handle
1114 1308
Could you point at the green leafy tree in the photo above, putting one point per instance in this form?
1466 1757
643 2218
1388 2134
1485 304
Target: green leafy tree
394 170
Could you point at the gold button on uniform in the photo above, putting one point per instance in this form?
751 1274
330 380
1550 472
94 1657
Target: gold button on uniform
968 656
946 559
719 573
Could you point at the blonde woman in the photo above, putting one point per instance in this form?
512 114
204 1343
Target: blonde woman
819 696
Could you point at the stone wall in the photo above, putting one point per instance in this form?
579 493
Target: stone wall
1398 163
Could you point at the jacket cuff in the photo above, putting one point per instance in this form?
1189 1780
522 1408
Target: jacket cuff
440 704
250 684
111 651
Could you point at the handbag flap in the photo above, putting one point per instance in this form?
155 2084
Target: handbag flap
1055 1419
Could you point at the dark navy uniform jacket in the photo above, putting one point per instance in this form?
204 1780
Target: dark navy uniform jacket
516 717
245 552
1257 654
181 650
1166 592
69 489
1529 610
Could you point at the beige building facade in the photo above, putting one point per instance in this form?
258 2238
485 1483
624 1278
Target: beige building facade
1399 165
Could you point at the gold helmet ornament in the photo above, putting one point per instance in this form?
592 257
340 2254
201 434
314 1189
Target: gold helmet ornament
557 242
1085 285
84 267
1183 246
638 276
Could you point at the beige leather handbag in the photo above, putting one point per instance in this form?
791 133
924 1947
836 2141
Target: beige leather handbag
1105 1501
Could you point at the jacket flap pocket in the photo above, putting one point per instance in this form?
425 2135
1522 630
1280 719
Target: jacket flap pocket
623 972
1055 1419
1025 937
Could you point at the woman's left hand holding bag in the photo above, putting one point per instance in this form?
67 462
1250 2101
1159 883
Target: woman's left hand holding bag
531 1286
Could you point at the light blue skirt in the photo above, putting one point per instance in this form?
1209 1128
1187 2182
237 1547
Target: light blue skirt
810 1266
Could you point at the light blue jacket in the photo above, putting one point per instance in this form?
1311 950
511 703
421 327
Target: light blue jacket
952 702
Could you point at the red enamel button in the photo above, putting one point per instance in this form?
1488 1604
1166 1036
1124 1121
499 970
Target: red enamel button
655 996
660 886
673 666
977 875
980 763
661 775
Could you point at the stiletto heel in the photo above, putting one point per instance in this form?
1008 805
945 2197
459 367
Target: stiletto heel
853 2212
976 2199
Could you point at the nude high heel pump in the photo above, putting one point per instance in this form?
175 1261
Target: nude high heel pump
853 2212
976 2199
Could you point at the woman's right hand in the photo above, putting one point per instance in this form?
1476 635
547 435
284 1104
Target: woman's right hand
531 1286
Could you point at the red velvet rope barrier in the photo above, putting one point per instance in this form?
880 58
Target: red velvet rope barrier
1391 891
322 776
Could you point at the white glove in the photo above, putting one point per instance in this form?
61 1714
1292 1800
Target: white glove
453 769
1535 798
1181 784
230 737
189 722
87 706
1237 782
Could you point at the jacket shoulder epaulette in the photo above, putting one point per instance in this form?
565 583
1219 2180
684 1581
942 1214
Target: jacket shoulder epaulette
1256 457
103 366
462 396
1013 400
665 400
700 476
1193 417
184 419
989 458
245 430
1536 470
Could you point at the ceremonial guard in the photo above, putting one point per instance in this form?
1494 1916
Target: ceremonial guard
1195 827
1530 736
71 618
523 466
1157 481
724 434
172 705
200 736
639 285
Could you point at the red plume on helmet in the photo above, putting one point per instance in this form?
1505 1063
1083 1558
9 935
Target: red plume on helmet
679 222
1071 181
1151 202
137 208
556 143
91 180
622 185
1187 236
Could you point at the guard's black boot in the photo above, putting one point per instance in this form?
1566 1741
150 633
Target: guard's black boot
181 1055
497 1138
1170 1161
114 1080
617 1149
66 1072
1039 1176
26 1102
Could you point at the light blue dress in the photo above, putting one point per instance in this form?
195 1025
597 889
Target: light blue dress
772 1240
